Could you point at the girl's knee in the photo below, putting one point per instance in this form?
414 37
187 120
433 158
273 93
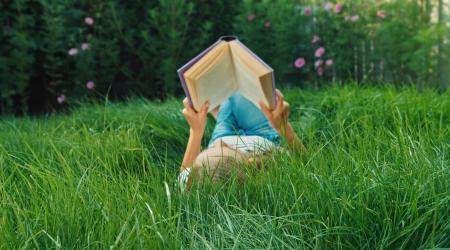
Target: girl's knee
218 163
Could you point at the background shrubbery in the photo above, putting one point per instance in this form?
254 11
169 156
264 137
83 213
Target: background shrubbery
54 52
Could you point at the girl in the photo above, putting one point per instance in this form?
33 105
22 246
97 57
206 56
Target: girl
243 133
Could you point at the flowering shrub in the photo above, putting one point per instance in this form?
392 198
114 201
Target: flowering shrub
55 52
317 42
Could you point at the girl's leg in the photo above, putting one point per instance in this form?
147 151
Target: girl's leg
225 122
251 119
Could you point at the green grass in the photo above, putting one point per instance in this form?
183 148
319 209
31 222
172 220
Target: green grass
376 176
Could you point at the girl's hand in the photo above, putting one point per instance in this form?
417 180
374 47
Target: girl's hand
196 120
278 117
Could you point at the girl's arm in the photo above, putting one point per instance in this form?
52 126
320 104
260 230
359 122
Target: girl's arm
192 149
292 139
278 118
197 124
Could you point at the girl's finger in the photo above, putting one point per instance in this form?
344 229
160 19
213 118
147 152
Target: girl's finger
205 107
280 100
185 112
278 110
286 105
278 92
186 103
280 95
286 108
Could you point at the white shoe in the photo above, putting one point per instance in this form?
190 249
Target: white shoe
183 178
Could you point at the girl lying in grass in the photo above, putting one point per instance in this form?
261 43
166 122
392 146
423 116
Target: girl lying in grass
243 134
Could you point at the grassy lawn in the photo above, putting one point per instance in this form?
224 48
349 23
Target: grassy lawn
376 175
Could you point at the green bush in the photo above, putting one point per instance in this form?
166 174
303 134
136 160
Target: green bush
131 48
367 41
135 47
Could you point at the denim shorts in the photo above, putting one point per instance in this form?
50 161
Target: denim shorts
239 116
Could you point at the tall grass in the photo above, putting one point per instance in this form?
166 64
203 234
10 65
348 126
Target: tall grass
376 176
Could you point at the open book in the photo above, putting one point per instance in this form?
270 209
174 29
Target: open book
222 69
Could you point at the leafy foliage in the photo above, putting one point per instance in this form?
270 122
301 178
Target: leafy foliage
55 52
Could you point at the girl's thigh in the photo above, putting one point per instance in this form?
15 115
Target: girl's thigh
226 122
247 115
251 119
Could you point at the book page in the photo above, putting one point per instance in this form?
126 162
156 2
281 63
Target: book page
207 60
217 83
250 75
248 81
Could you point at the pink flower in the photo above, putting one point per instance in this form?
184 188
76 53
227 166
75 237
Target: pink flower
327 6
89 20
61 99
338 8
319 52
329 62
354 18
318 63
307 11
90 85
267 24
320 71
299 62
315 39
72 51
381 14
84 46
250 18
